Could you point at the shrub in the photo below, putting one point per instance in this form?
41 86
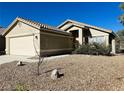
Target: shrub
84 49
93 49
20 87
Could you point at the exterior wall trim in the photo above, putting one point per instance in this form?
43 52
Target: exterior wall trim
20 35
51 50
55 34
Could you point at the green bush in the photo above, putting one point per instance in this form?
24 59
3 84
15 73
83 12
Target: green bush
93 49
20 87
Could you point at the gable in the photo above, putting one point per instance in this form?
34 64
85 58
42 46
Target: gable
64 27
21 28
73 28
69 23
95 32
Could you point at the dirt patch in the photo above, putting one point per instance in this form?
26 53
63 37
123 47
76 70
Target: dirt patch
80 73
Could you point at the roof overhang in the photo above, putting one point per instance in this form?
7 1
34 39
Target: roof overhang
36 25
83 25
15 22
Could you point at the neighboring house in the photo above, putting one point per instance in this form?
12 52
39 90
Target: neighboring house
2 41
26 37
85 33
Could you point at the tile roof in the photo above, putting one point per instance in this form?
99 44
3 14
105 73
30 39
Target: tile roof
38 25
41 25
83 24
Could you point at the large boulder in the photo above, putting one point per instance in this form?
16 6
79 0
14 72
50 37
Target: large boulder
19 63
55 74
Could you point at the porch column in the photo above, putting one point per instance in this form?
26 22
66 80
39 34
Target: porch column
80 36
113 46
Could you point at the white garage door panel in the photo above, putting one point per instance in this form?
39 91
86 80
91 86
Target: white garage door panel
22 46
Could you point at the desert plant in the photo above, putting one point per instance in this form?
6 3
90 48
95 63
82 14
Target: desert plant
40 57
20 87
102 49
83 49
93 49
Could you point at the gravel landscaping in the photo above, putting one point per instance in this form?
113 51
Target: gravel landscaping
81 72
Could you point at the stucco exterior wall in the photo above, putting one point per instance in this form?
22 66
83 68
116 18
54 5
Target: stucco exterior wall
80 37
74 28
94 33
100 33
45 42
65 26
22 30
55 43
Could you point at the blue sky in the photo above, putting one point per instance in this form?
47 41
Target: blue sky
103 14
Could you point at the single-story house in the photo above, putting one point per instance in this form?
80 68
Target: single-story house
27 37
2 40
85 33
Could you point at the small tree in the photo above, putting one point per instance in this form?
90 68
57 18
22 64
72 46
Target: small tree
121 18
41 59
121 32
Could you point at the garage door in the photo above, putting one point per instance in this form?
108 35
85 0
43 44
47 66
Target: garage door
22 46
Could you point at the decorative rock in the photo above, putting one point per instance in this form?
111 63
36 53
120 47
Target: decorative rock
19 63
55 74
112 54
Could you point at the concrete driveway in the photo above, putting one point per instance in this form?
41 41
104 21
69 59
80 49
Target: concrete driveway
11 58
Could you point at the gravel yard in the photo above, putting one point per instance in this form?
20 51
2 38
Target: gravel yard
81 72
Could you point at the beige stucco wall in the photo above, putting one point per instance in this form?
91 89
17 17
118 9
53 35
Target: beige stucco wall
54 43
80 34
73 28
95 32
21 30
46 42
65 26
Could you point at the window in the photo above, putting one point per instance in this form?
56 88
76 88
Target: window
97 39
75 33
